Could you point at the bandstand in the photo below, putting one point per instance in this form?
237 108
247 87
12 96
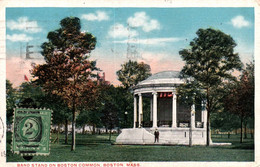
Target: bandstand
178 124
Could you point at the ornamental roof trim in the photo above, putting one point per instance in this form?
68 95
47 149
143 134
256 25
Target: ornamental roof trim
162 79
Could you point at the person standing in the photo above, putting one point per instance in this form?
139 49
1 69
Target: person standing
156 136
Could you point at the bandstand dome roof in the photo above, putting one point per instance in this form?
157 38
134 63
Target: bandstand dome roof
161 79
164 75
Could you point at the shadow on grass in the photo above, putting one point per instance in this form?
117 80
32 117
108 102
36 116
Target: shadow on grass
88 140
247 144
93 141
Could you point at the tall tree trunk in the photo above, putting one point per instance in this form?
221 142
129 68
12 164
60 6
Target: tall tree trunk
228 134
83 129
58 134
94 129
110 134
245 132
241 132
66 131
73 142
208 131
208 119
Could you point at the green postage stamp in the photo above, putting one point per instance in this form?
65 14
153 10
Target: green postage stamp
31 131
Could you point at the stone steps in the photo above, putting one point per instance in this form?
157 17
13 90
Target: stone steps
178 136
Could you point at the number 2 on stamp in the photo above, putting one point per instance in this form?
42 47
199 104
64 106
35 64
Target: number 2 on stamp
30 128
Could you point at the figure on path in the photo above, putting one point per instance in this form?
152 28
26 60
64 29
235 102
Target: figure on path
156 136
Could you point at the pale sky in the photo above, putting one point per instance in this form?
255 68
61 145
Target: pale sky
152 35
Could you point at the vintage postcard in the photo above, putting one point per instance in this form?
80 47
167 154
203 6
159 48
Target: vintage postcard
129 83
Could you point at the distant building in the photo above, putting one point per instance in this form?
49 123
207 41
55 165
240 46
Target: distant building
102 79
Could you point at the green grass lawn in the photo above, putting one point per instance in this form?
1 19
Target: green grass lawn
99 148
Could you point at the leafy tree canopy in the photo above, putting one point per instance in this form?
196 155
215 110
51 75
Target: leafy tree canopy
240 95
68 70
133 72
224 121
210 58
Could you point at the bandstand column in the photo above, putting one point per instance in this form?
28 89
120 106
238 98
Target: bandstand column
154 109
192 123
140 109
151 109
192 119
205 114
174 110
135 111
202 115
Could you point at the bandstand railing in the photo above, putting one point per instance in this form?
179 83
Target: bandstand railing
180 124
164 123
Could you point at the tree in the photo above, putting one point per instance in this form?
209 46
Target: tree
10 101
251 125
60 114
68 72
88 117
29 95
122 98
91 109
133 72
110 115
111 107
240 97
224 121
210 61
94 118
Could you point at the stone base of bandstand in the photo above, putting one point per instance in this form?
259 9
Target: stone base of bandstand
168 136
